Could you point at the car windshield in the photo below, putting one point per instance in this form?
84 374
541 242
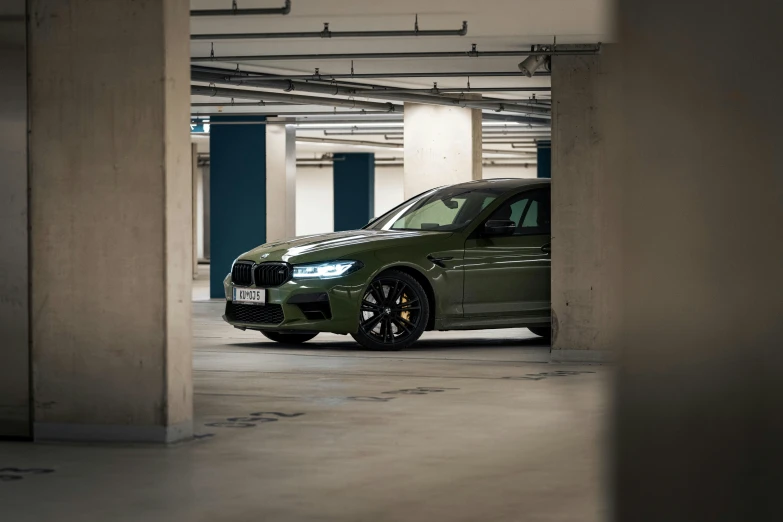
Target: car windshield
446 210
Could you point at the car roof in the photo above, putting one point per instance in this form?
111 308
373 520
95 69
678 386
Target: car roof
503 183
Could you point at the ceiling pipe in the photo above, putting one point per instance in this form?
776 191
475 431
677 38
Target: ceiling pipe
338 119
259 103
535 50
330 89
368 132
303 114
391 131
439 90
331 77
329 157
328 33
518 135
448 74
235 11
329 164
223 92
351 117
365 143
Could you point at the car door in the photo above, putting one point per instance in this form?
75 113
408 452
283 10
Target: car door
509 276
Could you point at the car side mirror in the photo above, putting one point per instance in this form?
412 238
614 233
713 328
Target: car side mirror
499 227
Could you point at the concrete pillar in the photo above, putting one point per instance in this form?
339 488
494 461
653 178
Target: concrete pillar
237 157
110 221
194 183
354 190
544 159
205 204
442 146
280 182
698 396
14 303
585 209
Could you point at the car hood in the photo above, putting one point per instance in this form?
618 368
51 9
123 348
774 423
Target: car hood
337 245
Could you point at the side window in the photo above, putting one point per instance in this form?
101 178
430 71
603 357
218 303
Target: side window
518 210
531 216
512 210
529 212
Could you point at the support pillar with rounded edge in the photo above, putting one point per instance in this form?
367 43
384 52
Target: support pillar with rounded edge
442 146
110 221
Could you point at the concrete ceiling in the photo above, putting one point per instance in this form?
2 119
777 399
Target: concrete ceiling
492 25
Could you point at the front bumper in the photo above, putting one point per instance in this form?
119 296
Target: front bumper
311 305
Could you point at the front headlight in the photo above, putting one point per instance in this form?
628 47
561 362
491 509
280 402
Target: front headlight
326 270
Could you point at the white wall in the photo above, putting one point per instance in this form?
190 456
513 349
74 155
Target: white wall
388 188
314 200
510 172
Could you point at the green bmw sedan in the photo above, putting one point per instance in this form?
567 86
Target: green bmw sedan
464 257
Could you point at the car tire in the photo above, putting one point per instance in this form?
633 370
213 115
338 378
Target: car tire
542 331
288 338
393 313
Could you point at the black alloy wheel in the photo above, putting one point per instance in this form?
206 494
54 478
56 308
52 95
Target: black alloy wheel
394 312
289 338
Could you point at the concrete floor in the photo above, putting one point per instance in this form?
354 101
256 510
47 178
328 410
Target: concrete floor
462 427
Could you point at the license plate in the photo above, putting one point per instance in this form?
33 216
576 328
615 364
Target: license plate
249 295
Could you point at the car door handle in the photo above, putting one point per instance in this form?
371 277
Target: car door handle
547 248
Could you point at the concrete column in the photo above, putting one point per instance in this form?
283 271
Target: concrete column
544 159
354 190
699 395
585 209
205 204
194 203
237 157
280 182
110 220
14 303
442 146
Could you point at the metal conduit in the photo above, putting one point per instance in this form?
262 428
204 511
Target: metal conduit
235 11
535 50
299 99
213 75
348 117
330 77
325 88
365 143
450 74
259 103
439 90
337 119
398 131
329 164
328 33
335 115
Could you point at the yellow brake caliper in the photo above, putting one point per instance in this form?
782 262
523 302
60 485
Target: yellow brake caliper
405 315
